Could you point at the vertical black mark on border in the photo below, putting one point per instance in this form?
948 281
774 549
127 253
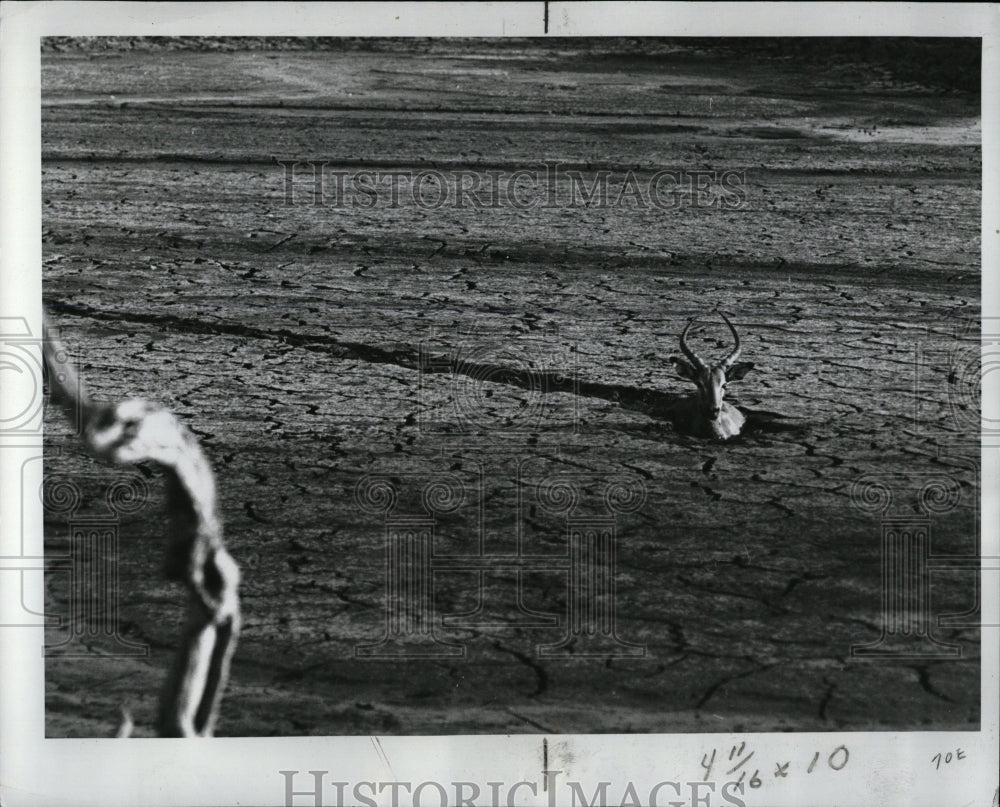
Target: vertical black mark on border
545 740
546 16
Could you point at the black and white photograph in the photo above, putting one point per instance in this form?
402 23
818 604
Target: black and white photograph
543 384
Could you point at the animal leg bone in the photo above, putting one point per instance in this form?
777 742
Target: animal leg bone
136 431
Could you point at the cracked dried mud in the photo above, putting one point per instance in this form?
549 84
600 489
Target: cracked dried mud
309 346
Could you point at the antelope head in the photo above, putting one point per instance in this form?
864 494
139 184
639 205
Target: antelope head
723 419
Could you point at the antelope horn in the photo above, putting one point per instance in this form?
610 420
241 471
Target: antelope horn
732 357
692 356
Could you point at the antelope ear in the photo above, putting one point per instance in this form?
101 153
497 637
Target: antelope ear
683 368
737 371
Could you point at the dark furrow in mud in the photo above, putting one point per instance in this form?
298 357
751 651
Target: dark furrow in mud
639 170
647 401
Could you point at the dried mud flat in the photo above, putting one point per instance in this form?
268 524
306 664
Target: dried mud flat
289 338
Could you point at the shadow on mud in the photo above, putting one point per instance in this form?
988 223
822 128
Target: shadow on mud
763 422
667 407
662 406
